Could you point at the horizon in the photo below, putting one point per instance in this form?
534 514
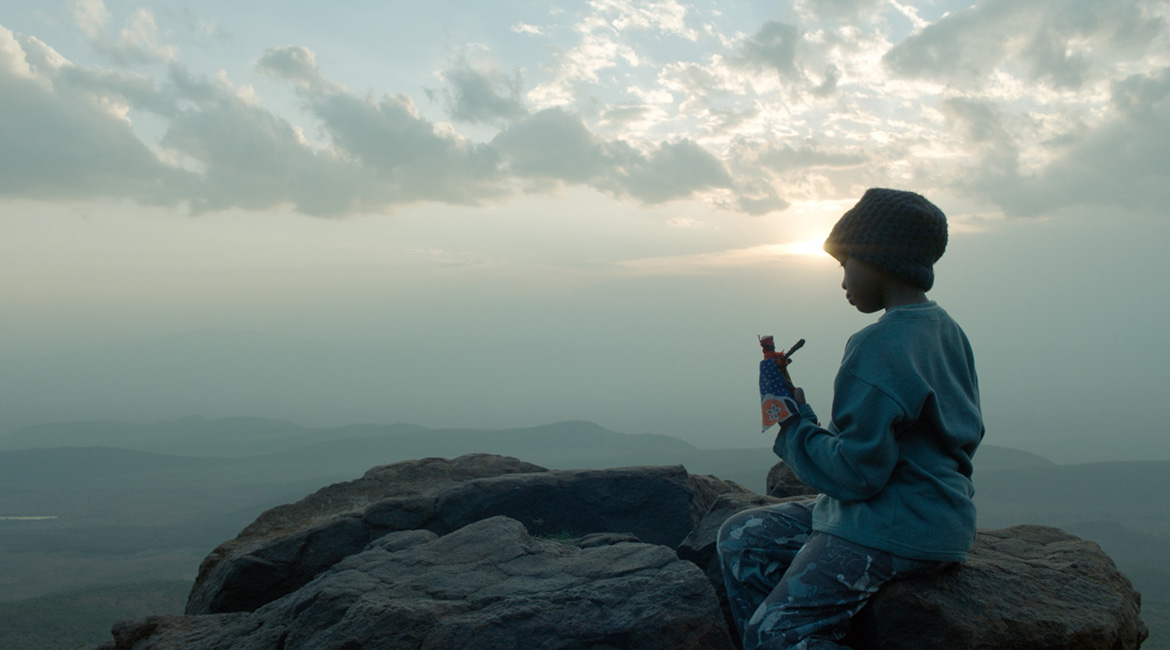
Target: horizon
218 450
499 216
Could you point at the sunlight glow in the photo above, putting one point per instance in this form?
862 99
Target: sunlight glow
806 248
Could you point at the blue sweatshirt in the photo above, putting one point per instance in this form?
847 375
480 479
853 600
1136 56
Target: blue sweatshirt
894 464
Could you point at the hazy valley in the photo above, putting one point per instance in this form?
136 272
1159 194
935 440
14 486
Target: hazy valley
112 503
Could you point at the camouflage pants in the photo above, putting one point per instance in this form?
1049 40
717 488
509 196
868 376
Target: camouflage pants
791 588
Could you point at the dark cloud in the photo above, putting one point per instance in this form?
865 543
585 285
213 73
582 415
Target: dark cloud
1043 36
478 92
552 145
61 139
413 159
555 145
1125 162
758 197
294 63
674 170
624 115
785 50
828 86
248 157
785 158
773 47
400 156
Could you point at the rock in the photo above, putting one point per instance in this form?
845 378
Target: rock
288 546
488 552
782 483
1022 588
489 586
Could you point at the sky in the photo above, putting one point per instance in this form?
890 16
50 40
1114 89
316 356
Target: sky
495 214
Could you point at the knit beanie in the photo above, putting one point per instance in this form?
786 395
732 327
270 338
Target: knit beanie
898 232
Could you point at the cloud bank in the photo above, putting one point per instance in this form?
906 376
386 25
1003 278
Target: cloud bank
1027 107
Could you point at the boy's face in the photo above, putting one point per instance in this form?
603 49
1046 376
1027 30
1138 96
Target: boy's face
864 286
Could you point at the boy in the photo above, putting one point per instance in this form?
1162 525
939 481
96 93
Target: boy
894 463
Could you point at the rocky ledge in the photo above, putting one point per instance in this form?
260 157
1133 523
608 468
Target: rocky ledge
490 553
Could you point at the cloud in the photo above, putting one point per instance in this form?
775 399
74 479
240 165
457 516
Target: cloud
552 144
603 44
136 44
412 158
783 157
398 156
664 16
222 149
834 9
1124 162
674 170
1025 106
555 145
478 92
773 47
64 132
757 196
247 157
1056 42
297 64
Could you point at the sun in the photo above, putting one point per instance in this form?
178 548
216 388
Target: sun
806 248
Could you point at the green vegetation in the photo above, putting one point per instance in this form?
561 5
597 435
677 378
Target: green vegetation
82 618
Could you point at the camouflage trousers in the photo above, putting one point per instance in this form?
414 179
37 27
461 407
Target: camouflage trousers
791 588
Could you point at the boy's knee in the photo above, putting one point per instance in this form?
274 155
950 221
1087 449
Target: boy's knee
732 528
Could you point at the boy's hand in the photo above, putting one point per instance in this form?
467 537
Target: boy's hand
780 400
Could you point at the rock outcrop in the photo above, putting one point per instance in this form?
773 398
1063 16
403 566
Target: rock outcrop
782 482
489 585
1022 588
290 545
488 552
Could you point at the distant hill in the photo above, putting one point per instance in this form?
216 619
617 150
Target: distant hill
193 436
66 467
991 457
1078 493
278 448
1120 505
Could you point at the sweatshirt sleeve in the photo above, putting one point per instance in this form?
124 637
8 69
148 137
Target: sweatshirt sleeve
854 457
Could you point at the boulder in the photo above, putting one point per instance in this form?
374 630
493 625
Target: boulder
781 482
290 545
489 585
1022 588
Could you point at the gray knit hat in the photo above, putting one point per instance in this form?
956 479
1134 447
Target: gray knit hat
899 232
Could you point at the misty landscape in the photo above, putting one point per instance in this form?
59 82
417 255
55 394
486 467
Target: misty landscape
104 520
249 252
